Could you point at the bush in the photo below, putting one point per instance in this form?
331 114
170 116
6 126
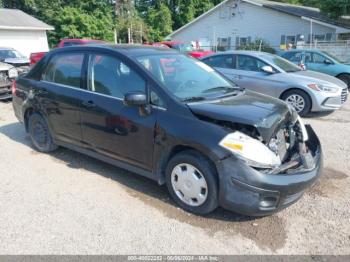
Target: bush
255 46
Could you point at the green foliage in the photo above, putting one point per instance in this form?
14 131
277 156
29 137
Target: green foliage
160 21
258 45
71 18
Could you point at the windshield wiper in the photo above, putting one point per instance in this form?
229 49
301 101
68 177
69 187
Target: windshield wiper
219 88
193 99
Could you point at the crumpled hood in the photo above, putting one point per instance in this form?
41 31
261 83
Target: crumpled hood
15 61
265 113
318 78
4 66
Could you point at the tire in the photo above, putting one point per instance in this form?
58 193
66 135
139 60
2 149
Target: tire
345 78
299 100
40 134
200 187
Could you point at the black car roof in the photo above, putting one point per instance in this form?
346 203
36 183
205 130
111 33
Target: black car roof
128 50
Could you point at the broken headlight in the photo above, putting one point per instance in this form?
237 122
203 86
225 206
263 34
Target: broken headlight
13 73
251 150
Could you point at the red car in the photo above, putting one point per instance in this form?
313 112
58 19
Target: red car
186 47
35 57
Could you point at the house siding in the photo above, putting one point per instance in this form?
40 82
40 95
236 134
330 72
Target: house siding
25 41
249 21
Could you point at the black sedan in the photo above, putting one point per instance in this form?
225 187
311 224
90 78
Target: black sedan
173 119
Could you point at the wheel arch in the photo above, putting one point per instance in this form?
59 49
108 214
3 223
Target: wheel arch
298 89
176 149
27 113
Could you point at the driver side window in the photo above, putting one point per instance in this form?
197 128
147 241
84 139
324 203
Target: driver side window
318 59
110 76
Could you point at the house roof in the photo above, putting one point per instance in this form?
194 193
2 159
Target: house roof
302 11
14 19
295 10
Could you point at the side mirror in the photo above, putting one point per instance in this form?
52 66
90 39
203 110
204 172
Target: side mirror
328 62
268 69
135 99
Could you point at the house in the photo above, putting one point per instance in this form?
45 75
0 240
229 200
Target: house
238 22
22 32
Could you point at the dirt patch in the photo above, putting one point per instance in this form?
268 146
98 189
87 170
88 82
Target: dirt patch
326 186
267 233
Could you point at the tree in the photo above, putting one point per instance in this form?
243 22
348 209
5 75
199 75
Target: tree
71 18
335 8
160 21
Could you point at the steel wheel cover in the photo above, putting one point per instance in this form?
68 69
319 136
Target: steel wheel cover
297 101
189 184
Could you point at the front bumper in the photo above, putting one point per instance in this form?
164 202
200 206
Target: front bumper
322 101
247 191
5 91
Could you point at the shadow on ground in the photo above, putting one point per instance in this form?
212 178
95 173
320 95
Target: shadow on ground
267 233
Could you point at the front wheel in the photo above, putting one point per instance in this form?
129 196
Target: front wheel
40 134
192 182
299 100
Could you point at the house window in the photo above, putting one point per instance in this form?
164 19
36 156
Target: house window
320 37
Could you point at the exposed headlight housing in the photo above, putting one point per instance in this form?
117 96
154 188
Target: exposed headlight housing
251 150
13 73
319 87
303 129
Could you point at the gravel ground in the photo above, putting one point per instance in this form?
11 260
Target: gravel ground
67 203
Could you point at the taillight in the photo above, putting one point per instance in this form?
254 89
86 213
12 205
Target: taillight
13 87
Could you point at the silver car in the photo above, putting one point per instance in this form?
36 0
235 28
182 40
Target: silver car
275 76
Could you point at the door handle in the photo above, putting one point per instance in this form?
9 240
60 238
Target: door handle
88 104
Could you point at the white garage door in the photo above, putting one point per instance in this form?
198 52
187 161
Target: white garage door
26 42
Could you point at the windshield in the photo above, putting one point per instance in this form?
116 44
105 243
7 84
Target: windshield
186 78
336 59
282 63
183 47
4 54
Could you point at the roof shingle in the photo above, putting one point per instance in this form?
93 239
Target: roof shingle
15 19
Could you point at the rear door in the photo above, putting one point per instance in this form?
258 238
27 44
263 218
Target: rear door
249 74
109 127
59 92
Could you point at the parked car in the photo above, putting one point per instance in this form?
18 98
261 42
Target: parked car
320 61
272 75
211 142
186 48
35 57
14 58
7 74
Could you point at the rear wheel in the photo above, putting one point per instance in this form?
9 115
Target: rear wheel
345 78
299 100
40 134
192 182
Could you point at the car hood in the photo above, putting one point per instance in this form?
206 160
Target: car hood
311 77
265 113
4 66
17 61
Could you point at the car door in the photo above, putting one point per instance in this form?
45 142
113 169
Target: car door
59 93
248 74
109 127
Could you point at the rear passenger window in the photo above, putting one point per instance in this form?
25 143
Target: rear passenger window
293 57
110 76
220 61
64 69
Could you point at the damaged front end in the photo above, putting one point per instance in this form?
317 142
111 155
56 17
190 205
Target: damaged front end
274 158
